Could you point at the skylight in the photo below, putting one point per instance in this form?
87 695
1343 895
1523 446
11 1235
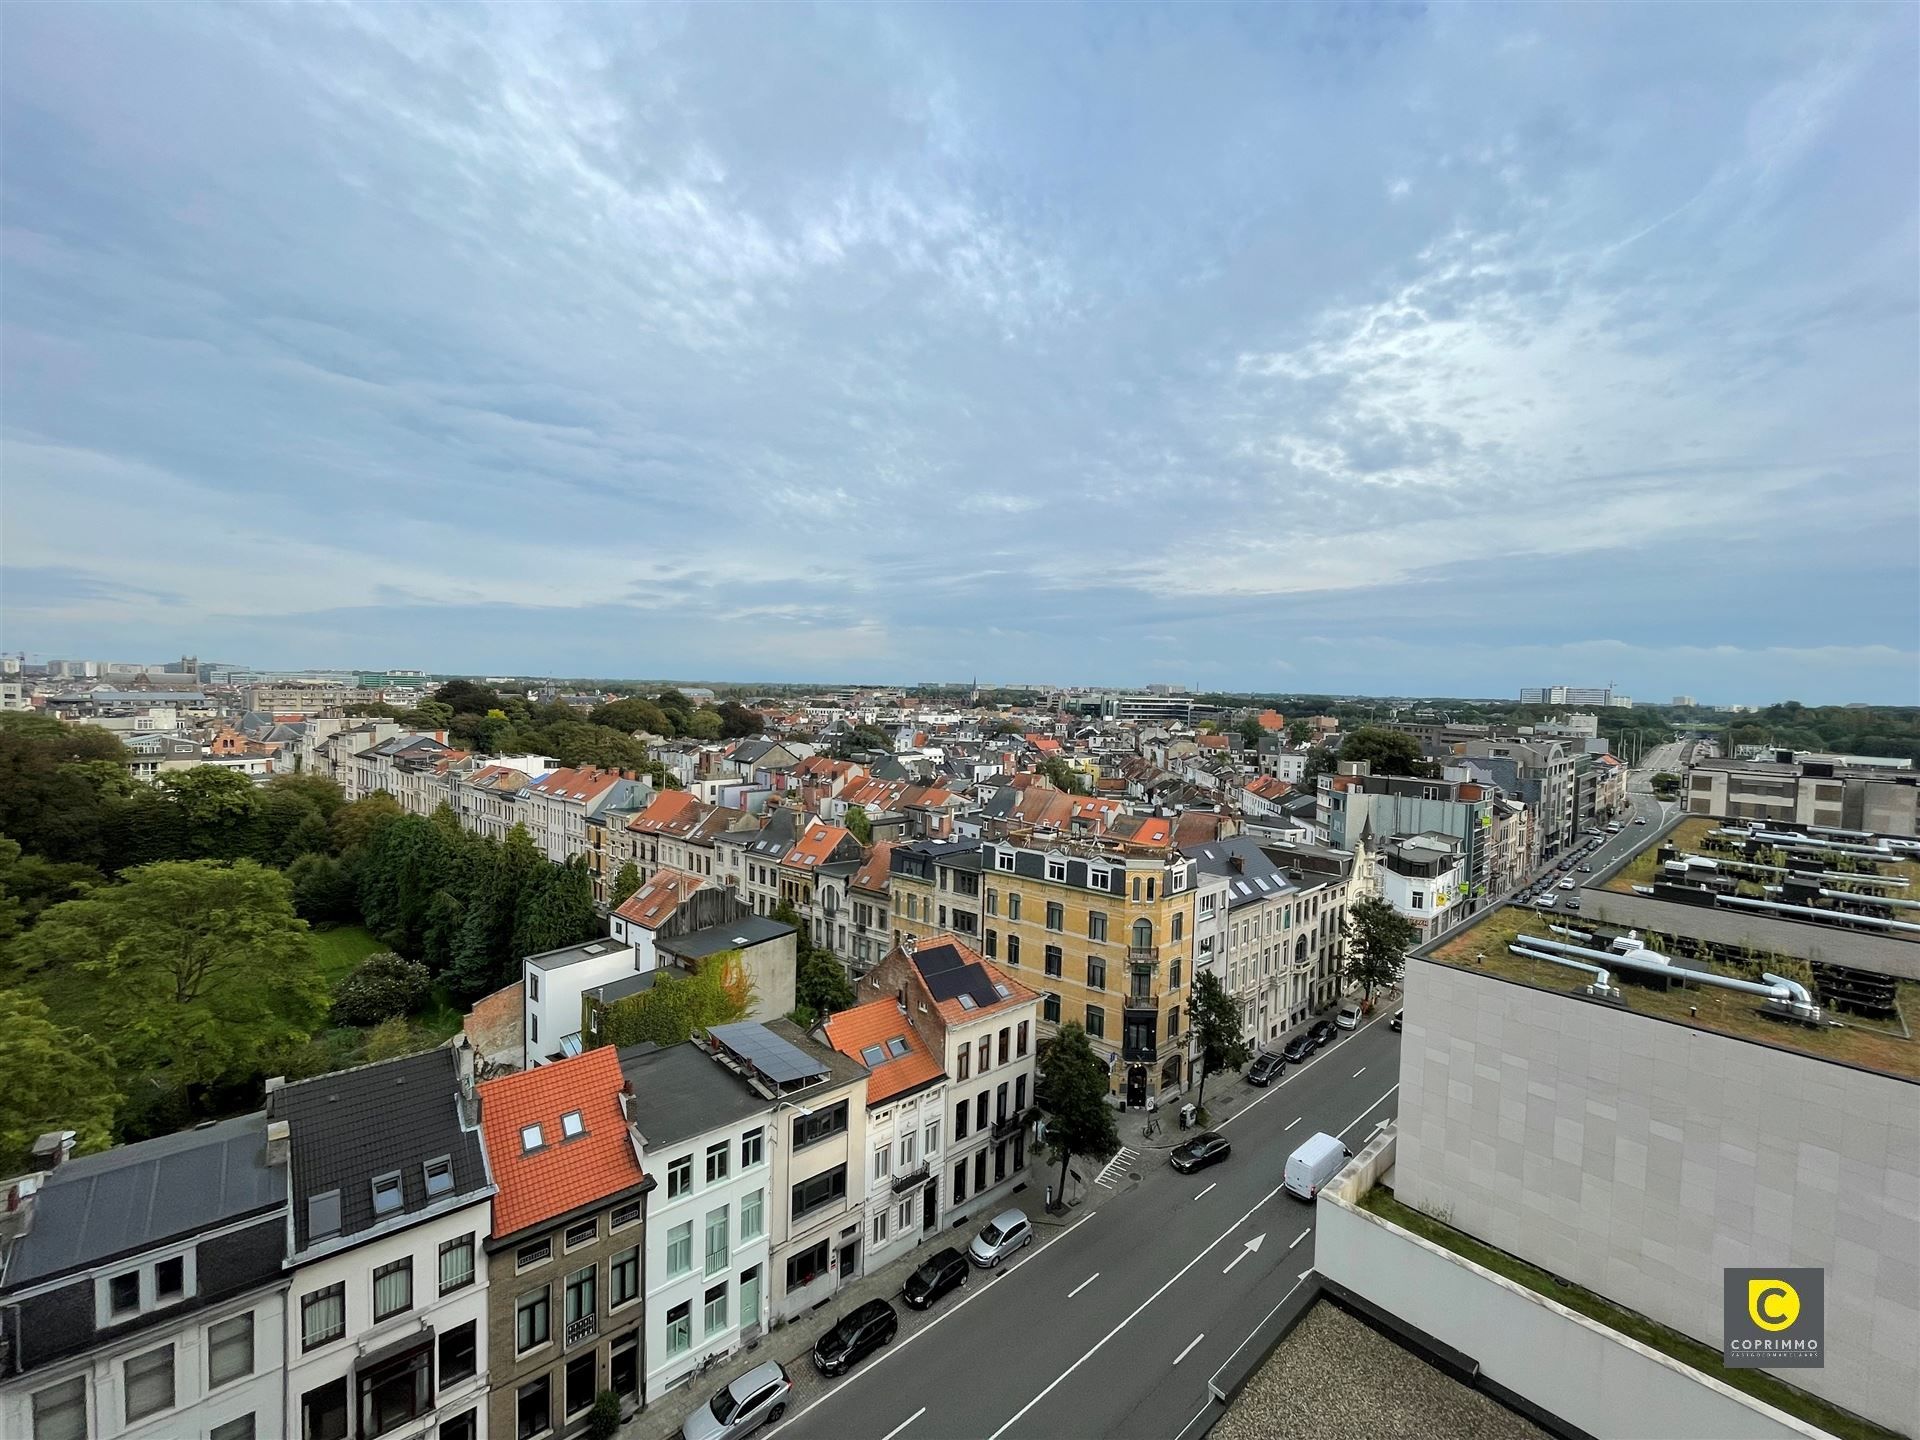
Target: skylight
531 1138
386 1193
897 1046
873 1055
967 1002
573 1125
1002 991
440 1175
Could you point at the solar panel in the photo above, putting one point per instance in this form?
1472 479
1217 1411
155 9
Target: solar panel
780 1060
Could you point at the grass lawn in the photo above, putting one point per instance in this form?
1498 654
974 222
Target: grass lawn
1760 1384
342 948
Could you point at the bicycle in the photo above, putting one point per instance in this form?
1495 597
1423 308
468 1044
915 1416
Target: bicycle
1150 1129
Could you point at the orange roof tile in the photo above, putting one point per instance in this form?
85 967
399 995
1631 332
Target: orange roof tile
817 844
654 901
563 1173
667 808
872 874
880 1023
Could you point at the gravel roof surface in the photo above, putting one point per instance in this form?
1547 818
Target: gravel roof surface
1335 1378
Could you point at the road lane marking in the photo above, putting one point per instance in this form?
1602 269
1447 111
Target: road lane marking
1083 1284
1252 1248
1301 1236
904 1423
1293 1122
1361 1071
1280 1085
1374 1106
1190 1344
1213 1388
1206 1192
1110 1173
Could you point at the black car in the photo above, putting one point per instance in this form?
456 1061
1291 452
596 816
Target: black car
860 1332
1394 1023
1203 1150
1324 1032
1297 1049
1266 1068
941 1273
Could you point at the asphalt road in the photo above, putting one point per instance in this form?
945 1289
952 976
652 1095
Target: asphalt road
1112 1326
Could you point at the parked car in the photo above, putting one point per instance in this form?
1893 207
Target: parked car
1348 1018
1298 1048
757 1398
1394 1023
1573 902
1317 1161
1005 1233
1639 819
1208 1148
858 1333
1267 1067
1323 1033
1547 900
943 1271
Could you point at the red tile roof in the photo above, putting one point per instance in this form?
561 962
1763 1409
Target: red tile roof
872 874
654 901
880 1023
562 1174
817 844
585 783
671 813
952 1011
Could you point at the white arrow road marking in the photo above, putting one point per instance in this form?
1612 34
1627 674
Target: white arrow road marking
1252 1245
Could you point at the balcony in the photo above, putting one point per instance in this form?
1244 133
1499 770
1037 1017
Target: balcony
1138 1001
912 1178
1007 1126
1143 954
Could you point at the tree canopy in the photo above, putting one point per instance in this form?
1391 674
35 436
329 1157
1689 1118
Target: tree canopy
1377 938
858 825
1386 752
677 1006
1072 1092
1215 1018
54 1077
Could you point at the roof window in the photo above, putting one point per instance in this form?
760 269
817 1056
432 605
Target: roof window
573 1125
439 1174
531 1139
386 1193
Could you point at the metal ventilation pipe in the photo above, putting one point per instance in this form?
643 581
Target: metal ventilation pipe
1778 988
1792 840
1782 908
1850 895
1602 981
1898 882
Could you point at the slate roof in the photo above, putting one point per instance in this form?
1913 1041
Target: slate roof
350 1126
681 1091
135 1197
564 1172
1257 877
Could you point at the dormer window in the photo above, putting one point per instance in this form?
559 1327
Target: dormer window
123 1294
439 1175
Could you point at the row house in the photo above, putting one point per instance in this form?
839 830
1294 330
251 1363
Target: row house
1424 878
556 806
490 799
751 859
934 886
677 831
814 877
330 751
566 1253
141 1289
1356 802
869 929
983 1026
415 769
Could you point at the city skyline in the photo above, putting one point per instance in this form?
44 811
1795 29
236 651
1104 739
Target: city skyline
1289 351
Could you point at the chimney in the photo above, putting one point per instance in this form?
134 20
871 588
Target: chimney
53 1149
463 1066
279 1142
1239 863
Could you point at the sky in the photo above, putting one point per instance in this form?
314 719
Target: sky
1388 350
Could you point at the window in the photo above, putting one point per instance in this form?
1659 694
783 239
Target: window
1419 901
585 1233
714 1312
1006 1043
806 1266
533 986
533 1320
396 1391
60 1411
679 1177
229 1350
753 1148
1096 1022
1096 878
1096 925
752 1215
880 1228
809 1195
624 1215
623 1370
993 901
531 1139
905 1218
582 1303
459 1354
680 1328
534 1252
1173 1022
986 1053
1020 1095
169 1279
623 1278
909 1145
1057 871
993 944
456 1264
717 1156
323 1412
1003 859
959 1182
1052 966
821 1125
960 1113
882 1163
1050 1008
533 1414
439 1176
1096 973
1013 907
392 1289
933 1138
966 1063
1177 926
533 1028
573 1125
1000 1103
123 1292
323 1317
717 1240
149 1383
1173 974
239 1428
980 1103
1013 949
680 1248
580 1378
1056 916
1142 935
464 1426
1020 1039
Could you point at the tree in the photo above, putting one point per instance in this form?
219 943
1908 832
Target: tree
393 1038
1377 938
625 883
380 987
1062 776
188 971
356 826
1387 752
705 724
737 722
483 955
29 884
58 786
858 825
1251 732
465 697
1215 1018
632 716
555 910
821 984
54 1078
1072 1091
1320 761
217 806
676 1006
1300 731
322 890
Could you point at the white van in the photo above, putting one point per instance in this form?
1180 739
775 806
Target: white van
1317 1161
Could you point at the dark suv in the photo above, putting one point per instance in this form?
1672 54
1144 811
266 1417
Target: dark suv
1324 1032
941 1273
1266 1068
1298 1048
860 1332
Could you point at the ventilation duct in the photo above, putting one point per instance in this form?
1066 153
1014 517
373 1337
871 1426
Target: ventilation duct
1787 997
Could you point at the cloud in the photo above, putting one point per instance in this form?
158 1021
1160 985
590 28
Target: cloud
917 342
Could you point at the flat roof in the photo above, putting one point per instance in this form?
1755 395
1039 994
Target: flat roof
682 1091
594 949
741 934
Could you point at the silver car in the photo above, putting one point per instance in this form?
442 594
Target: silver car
757 1398
1005 1233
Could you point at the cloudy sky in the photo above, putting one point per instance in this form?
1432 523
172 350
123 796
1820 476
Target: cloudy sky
1383 350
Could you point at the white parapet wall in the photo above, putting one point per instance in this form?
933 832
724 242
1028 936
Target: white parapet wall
1590 1377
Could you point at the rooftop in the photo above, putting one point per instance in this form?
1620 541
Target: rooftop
557 1139
683 1090
656 900
1483 946
963 983
576 954
135 1197
879 1036
741 934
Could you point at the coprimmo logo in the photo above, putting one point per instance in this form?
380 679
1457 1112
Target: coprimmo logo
1776 1319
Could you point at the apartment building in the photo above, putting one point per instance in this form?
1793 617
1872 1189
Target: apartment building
906 1107
870 908
1424 878
751 859
413 768
292 697
556 806
1830 792
141 1289
566 1252
1540 774
983 1025
1356 802
813 879
387 1296
935 886
675 831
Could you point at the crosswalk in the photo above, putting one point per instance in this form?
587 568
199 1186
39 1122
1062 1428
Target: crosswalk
1116 1169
